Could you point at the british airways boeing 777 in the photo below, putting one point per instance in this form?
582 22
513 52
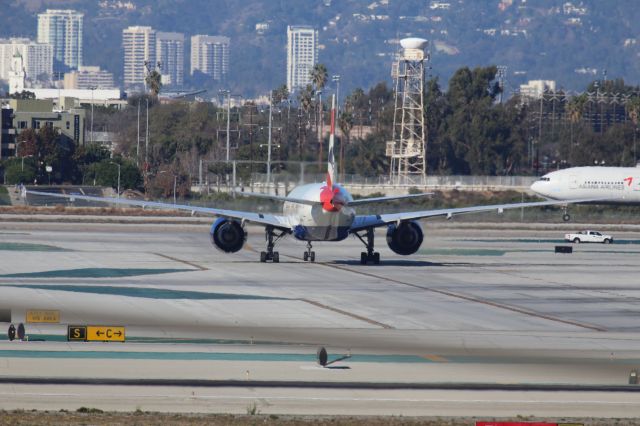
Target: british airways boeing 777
317 212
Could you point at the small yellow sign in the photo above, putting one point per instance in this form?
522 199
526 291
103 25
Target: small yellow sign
105 333
47 316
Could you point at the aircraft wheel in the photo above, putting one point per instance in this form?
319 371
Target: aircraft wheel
305 256
276 257
566 217
263 256
363 258
312 256
376 258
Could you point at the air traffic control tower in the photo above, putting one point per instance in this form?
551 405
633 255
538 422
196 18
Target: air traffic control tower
407 148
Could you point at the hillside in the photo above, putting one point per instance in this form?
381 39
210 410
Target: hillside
572 43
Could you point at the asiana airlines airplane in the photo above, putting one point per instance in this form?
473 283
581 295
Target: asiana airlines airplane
607 185
316 212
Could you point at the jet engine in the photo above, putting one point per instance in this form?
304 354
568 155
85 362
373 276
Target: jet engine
405 238
228 235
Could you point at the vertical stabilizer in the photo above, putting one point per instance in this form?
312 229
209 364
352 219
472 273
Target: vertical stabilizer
331 167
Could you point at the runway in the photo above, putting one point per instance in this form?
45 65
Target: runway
485 304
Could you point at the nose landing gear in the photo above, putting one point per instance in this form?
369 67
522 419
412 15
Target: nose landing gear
565 216
309 255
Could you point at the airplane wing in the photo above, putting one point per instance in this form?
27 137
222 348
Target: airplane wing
372 221
276 197
362 201
267 219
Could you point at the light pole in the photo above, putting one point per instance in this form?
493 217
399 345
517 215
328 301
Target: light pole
320 139
269 143
635 152
336 79
117 164
92 88
138 140
228 94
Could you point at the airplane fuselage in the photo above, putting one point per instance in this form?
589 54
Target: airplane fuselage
618 185
316 222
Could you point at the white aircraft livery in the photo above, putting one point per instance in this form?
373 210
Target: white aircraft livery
316 212
608 185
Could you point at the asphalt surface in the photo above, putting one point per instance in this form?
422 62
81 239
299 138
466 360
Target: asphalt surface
489 315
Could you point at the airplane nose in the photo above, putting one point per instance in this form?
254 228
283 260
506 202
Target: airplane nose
537 188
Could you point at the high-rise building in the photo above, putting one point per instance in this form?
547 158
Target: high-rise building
170 54
37 58
62 29
210 55
88 78
17 74
139 48
302 55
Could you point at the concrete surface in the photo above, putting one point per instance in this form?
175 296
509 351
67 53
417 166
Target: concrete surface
475 305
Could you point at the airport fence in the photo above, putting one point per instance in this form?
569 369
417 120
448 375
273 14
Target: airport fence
282 183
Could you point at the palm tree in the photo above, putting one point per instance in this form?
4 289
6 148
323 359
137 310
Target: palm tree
305 98
575 109
154 82
279 94
319 76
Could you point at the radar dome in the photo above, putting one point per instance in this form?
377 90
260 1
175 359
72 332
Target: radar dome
413 43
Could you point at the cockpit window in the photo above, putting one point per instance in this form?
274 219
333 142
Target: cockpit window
545 179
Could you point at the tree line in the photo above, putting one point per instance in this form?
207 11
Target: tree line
469 131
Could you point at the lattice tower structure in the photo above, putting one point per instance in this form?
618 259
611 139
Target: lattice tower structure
408 147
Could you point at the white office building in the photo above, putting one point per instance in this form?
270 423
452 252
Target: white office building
210 55
62 29
302 55
139 45
37 58
170 54
88 78
536 88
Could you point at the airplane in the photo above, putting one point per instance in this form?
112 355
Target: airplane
317 212
612 185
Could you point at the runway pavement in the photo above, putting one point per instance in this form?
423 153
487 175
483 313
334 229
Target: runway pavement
478 304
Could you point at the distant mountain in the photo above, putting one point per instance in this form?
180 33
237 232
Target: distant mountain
570 42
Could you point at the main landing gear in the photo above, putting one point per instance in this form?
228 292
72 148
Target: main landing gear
271 238
369 255
309 255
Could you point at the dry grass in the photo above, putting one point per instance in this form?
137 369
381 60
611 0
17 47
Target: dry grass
20 417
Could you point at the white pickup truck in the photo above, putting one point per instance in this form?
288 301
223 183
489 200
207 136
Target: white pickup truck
589 237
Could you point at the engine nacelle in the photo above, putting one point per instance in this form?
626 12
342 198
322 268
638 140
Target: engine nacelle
406 238
228 235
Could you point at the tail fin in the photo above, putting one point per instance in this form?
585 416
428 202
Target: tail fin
331 166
